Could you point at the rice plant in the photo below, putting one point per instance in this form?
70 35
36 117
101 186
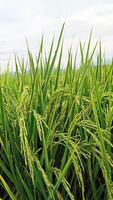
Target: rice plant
56 127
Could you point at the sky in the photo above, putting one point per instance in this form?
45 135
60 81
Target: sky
21 19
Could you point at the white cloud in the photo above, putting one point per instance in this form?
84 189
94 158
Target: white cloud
30 19
100 18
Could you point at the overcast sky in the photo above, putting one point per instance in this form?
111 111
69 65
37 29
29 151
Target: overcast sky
30 18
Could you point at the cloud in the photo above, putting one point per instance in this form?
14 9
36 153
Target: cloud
98 17
20 19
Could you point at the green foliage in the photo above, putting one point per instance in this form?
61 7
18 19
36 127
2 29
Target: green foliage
56 127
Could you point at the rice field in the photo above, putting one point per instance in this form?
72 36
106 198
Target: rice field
56 127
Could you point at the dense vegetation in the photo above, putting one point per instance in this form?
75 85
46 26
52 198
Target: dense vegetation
56 127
